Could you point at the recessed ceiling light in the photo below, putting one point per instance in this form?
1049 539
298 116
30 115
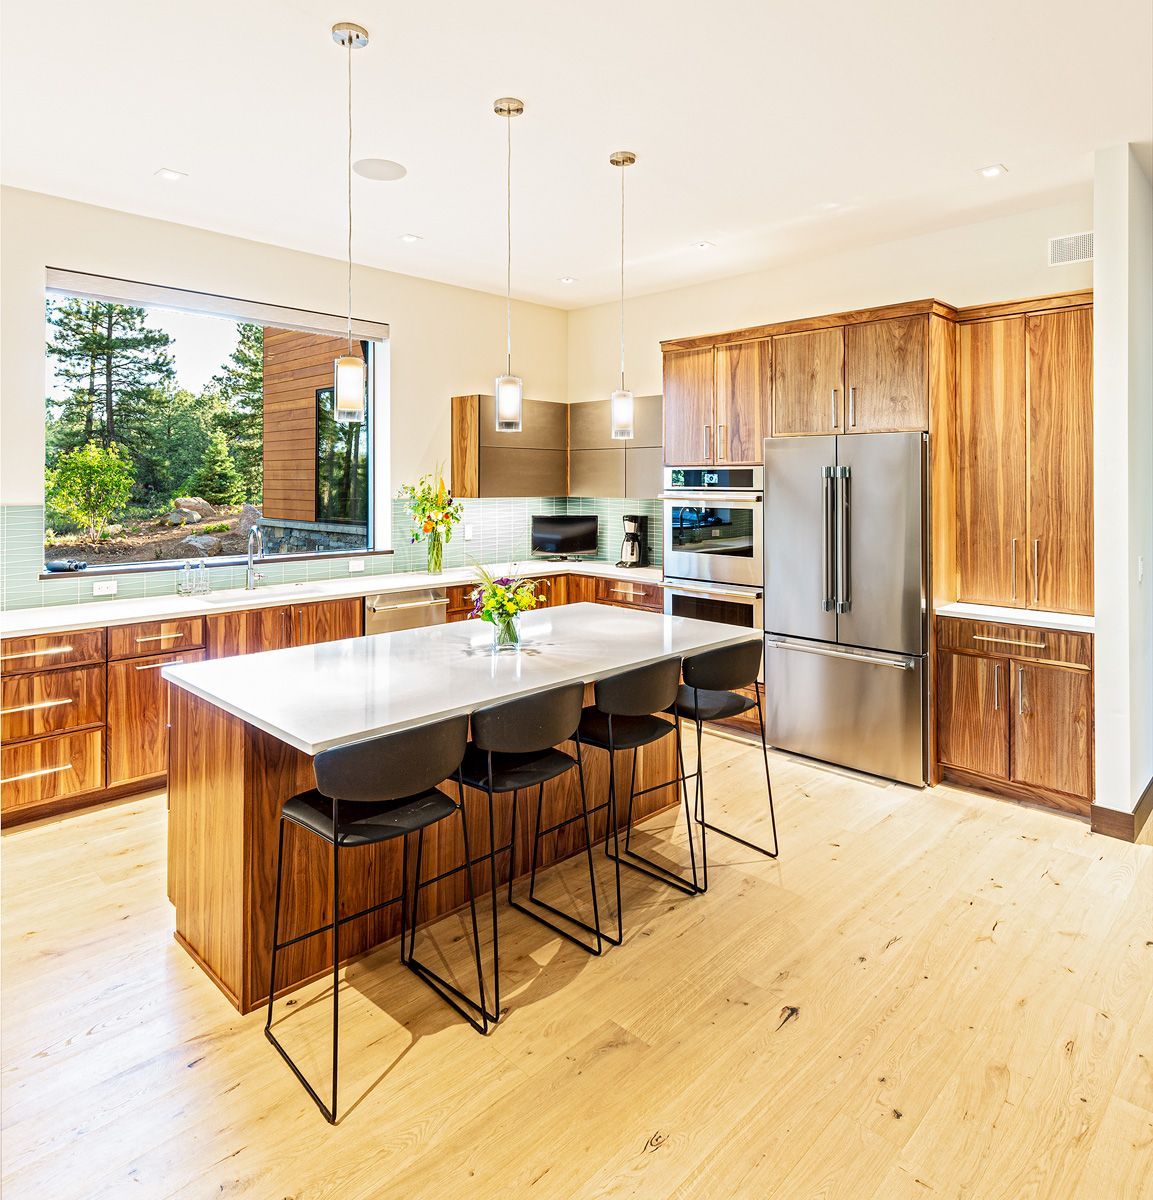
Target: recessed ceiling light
568 279
703 245
410 238
383 170
171 176
993 170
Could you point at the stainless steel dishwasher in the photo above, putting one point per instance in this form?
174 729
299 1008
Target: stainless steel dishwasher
405 610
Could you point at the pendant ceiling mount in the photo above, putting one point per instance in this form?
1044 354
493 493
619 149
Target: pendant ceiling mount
349 36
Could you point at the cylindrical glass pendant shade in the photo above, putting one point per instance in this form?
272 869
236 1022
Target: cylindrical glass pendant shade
348 407
621 408
509 403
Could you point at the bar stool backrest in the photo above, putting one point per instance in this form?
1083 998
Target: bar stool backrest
529 723
394 765
726 669
641 692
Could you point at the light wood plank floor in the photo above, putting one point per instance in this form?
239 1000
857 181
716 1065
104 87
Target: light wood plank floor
932 994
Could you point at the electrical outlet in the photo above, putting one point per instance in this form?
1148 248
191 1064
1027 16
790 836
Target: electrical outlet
468 533
355 564
105 587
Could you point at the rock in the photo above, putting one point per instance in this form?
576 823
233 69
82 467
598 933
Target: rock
196 505
204 543
182 516
249 515
112 529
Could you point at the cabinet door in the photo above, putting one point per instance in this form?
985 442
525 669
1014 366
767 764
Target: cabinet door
688 407
582 589
991 464
226 634
808 381
743 384
973 713
1061 460
268 629
138 716
331 621
886 376
1052 727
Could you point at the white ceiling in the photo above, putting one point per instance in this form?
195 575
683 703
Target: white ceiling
774 130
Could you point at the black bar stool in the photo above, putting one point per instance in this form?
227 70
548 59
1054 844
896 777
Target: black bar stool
513 749
370 792
709 693
625 718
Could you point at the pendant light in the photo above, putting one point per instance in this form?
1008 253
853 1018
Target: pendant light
349 369
509 387
621 404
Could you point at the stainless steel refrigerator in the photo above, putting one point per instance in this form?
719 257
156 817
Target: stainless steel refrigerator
846 626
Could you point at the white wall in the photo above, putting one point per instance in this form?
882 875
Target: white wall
446 340
1001 259
1123 476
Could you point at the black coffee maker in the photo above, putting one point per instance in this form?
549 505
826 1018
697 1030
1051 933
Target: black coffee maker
634 548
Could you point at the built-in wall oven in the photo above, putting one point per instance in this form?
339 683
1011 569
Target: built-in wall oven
729 604
713 528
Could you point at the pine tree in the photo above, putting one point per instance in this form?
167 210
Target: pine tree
216 479
240 387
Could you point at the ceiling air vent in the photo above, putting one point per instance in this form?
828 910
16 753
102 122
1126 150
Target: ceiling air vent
1072 248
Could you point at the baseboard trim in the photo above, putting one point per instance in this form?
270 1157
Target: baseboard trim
1128 826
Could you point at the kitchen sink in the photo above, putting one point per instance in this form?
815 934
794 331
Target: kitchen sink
275 591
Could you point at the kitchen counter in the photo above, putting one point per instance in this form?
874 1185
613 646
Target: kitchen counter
1032 618
24 622
316 697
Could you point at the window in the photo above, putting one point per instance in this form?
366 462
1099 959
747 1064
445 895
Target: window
175 421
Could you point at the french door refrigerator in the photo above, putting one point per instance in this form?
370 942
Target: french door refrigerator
845 605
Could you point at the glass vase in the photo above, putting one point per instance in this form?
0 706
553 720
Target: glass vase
506 634
435 552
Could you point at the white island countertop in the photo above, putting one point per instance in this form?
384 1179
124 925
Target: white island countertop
317 697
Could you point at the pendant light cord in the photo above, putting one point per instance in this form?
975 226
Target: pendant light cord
349 185
622 171
508 242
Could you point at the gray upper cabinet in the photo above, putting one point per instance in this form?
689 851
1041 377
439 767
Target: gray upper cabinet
600 466
596 472
544 426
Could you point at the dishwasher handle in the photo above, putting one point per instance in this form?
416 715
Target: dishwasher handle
380 608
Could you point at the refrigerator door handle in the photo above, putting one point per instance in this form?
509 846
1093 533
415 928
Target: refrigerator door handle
844 530
873 660
828 525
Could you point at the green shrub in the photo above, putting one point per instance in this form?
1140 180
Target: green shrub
89 485
220 527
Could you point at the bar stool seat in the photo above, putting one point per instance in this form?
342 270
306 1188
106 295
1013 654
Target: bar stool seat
710 705
512 771
625 733
365 824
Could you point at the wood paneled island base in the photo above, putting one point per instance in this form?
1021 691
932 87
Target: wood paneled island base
227 783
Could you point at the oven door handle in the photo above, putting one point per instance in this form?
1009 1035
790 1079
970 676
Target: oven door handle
696 499
750 597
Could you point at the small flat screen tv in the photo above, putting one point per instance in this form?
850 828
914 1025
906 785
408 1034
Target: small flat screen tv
564 537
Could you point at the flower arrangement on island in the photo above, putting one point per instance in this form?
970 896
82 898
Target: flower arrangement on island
430 504
500 600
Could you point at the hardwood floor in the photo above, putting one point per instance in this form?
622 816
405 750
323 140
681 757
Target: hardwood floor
931 994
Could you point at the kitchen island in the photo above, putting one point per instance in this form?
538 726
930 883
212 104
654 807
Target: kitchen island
244 731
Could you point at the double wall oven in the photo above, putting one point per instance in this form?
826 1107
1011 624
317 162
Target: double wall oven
714 544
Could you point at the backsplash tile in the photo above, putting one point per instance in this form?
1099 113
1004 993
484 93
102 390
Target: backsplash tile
500 533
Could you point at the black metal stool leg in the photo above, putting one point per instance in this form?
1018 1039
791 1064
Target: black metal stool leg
275 926
335 957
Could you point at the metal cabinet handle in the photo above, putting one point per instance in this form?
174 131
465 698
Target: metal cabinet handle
1013 586
160 637
852 407
833 407
36 653
720 453
23 708
172 662
379 608
996 687
871 660
1020 691
708 443
1036 544
37 774
984 637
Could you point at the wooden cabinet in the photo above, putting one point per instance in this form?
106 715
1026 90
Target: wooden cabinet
283 625
582 589
808 382
886 375
330 621
155 637
47 702
1052 727
34 775
743 374
138 716
688 406
1014 710
47 651
630 593
1025 461
973 714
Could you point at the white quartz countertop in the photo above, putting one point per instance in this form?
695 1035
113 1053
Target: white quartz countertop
1017 616
316 697
24 622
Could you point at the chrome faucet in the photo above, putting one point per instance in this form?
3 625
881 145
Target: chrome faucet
255 548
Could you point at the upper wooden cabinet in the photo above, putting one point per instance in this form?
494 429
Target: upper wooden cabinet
1025 461
715 403
808 382
886 375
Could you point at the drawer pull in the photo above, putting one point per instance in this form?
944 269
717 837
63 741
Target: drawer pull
623 592
23 708
37 653
37 774
160 637
172 662
980 637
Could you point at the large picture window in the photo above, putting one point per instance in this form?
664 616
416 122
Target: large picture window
173 428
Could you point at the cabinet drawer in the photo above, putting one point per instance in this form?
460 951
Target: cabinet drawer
51 768
20 655
634 594
152 637
1016 641
460 599
51 701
